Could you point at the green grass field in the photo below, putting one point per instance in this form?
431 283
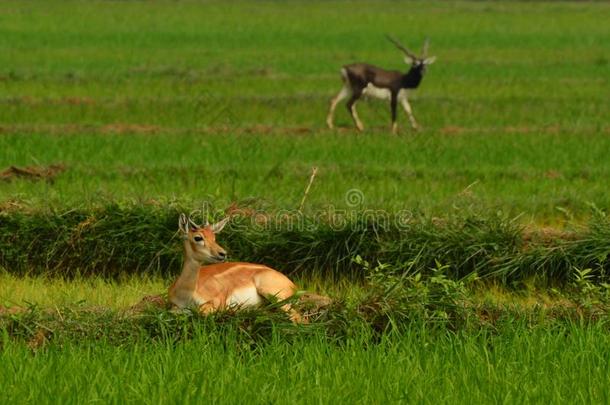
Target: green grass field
195 102
156 107
565 364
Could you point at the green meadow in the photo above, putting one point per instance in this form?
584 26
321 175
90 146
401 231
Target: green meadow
201 100
473 260
564 364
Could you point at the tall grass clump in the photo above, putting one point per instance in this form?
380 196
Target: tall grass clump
115 240
108 241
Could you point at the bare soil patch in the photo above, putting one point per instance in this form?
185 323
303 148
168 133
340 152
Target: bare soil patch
547 235
11 310
119 128
47 173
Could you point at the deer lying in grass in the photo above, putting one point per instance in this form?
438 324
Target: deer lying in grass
220 285
362 79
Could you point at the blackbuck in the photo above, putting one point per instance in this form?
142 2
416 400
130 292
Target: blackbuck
209 283
363 79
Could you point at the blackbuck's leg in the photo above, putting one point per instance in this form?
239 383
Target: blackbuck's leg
393 102
210 306
345 91
407 107
273 294
351 107
207 308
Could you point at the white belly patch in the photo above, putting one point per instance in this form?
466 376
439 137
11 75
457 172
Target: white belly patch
244 297
383 94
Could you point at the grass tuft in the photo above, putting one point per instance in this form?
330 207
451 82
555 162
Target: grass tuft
138 239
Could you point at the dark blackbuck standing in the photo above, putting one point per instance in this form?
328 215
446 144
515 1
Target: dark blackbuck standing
362 79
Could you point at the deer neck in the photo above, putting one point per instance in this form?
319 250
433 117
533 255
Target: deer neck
412 79
190 274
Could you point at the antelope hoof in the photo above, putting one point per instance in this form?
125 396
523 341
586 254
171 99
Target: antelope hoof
360 127
329 123
297 318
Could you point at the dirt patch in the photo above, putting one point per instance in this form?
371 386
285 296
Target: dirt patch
452 130
11 205
36 101
316 301
259 130
47 173
147 303
547 235
49 129
39 339
520 130
119 128
553 174
11 310
76 101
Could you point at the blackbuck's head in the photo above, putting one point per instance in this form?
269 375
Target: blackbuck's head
416 63
200 241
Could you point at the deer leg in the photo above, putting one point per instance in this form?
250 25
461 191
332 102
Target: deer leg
208 307
407 107
295 317
282 295
393 103
351 107
345 91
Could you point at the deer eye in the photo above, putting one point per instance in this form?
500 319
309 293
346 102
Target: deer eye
198 238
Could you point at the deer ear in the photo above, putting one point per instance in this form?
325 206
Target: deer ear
430 60
217 227
409 60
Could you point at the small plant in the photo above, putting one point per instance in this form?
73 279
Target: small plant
398 297
588 293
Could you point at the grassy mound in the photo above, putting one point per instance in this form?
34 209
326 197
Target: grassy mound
115 240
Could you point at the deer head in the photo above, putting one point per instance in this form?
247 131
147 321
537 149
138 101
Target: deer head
200 241
416 62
